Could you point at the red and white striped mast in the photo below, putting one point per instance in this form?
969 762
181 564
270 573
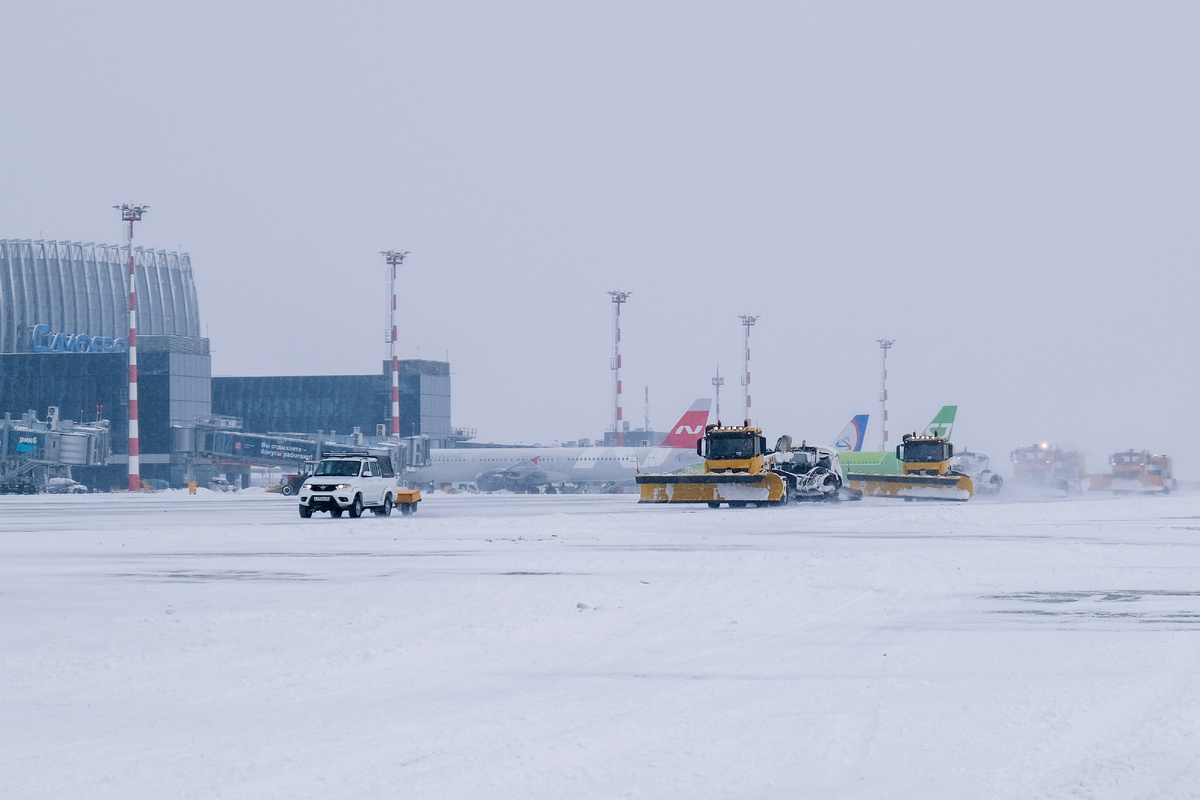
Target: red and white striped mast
617 298
132 214
747 323
394 259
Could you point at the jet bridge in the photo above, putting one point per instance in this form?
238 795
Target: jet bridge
218 442
32 451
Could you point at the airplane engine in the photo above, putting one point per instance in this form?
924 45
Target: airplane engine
490 481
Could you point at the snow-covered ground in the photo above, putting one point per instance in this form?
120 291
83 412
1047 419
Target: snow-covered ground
168 646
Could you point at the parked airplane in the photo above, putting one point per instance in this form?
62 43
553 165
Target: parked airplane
525 469
886 462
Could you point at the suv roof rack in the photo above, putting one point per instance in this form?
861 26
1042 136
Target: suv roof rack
346 454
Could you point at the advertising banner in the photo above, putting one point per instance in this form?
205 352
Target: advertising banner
254 448
27 444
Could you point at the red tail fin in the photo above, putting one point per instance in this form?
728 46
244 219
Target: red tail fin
690 427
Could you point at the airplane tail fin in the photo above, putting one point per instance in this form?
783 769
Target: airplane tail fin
942 424
851 438
690 427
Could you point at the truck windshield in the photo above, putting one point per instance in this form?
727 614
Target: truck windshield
347 469
722 448
924 452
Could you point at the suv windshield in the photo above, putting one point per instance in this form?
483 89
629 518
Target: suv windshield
339 468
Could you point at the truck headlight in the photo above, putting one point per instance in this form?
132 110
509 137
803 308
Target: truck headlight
342 486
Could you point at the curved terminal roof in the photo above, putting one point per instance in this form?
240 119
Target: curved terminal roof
77 288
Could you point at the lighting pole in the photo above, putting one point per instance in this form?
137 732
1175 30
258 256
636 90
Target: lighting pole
132 214
718 382
618 298
394 259
884 346
747 323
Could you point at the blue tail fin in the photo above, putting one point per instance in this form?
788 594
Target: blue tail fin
851 438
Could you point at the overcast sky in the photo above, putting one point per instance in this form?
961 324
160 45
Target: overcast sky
1009 190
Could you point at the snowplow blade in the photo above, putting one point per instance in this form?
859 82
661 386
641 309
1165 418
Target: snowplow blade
711 488
913 487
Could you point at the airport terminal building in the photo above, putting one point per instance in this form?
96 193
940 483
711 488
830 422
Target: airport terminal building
63 326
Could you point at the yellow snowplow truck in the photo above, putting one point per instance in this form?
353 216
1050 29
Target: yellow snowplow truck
740 470
927 474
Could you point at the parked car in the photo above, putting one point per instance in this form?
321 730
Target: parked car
64 486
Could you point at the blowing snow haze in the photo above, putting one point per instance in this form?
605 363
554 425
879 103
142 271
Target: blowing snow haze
1008 190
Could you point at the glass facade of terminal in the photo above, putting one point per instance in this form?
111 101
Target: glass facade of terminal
340 403
173 390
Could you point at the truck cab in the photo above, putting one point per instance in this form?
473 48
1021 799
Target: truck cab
925 455
733 449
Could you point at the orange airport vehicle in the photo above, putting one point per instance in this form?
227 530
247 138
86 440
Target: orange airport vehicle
1137 471
1045 466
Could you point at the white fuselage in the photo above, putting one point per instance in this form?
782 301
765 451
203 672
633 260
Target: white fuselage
537 466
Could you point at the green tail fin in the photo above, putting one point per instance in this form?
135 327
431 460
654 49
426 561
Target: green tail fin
942 424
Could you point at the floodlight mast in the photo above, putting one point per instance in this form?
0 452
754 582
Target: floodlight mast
133 213
618 298
394 259
884 346
747 322
717 383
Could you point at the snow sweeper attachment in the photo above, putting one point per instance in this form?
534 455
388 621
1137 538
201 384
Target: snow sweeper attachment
927 473
740 470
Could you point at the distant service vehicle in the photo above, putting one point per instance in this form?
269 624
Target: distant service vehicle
64 486
353 482
1137 471
291 483
21 484
1046 466
977 466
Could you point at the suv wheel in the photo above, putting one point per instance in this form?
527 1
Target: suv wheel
356 507
384 510
305 512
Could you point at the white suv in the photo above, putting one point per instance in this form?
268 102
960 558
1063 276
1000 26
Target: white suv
349 482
